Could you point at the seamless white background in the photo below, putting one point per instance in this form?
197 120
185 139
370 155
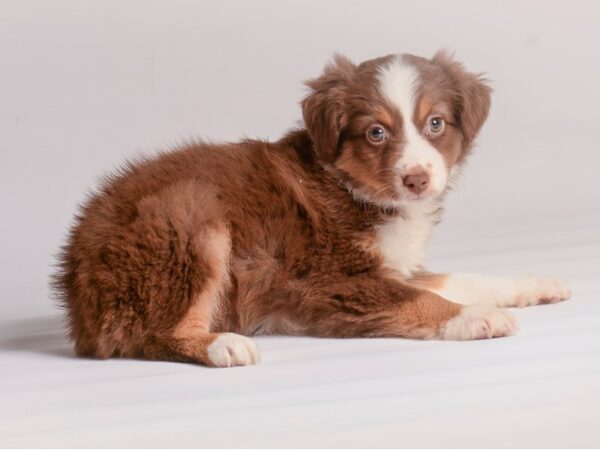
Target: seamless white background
85 84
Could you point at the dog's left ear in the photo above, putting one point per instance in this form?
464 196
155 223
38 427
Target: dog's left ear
324 109
472 96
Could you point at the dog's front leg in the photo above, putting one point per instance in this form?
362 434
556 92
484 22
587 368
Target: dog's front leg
367 305
470 289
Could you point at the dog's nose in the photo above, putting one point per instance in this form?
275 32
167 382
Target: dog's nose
416 182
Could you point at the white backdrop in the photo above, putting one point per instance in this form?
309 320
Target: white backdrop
84 84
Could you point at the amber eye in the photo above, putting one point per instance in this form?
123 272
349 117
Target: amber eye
436 125
376 134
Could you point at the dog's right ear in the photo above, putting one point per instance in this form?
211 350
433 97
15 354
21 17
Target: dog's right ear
324 109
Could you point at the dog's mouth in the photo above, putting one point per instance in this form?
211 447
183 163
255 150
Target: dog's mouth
417 197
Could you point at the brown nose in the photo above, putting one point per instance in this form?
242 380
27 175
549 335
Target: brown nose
416 182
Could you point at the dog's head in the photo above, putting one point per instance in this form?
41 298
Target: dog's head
394 129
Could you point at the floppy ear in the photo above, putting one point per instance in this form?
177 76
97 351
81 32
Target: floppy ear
324 109
471 96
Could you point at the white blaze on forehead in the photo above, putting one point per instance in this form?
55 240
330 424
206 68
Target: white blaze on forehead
398 81
397 84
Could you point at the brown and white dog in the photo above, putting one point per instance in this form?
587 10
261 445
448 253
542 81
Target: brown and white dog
322 233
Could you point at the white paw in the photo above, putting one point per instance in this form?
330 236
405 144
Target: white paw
230 349
533 290
479 322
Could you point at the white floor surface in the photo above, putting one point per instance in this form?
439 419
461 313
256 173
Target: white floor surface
539 388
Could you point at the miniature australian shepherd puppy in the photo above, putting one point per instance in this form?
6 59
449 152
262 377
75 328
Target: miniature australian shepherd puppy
322 233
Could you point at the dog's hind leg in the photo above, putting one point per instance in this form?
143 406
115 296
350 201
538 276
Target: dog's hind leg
193 338
165 283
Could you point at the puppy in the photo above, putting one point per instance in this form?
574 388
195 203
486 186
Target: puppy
322 233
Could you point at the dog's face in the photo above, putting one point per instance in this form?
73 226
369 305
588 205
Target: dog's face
394 129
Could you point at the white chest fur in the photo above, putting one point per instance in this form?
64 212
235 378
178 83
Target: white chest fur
403 241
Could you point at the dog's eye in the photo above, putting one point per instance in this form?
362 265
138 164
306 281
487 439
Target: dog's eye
436 125
376 134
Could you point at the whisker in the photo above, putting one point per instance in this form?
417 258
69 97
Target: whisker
381 190
384 169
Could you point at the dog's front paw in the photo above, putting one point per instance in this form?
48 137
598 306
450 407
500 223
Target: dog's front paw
479 322
534 290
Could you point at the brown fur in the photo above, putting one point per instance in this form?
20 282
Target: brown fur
262 237
428 281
